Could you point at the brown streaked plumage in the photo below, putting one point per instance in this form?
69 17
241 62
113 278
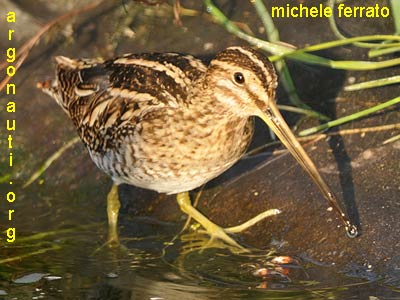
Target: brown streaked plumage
167 122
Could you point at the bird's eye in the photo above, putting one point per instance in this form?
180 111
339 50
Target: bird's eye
238 77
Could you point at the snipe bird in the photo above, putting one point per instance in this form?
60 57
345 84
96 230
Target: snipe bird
169 123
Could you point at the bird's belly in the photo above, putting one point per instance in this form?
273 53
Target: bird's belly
176 163
172 183
171 177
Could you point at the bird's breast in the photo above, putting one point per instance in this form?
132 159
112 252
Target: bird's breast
177 152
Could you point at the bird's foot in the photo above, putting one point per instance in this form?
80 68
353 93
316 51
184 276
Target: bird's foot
201 240
219 237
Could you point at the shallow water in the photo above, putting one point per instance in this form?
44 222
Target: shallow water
60 219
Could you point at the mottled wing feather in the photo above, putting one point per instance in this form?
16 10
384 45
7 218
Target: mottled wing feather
164 77
107 100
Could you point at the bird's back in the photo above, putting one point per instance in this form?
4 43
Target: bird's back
115 94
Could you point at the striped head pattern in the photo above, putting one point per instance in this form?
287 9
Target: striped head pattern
243 79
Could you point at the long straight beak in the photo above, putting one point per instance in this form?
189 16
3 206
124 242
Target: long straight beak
273 118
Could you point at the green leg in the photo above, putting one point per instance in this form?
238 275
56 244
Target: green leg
113 206
215 231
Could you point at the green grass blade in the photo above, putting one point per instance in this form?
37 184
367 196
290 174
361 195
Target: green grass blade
346 65
392 139
5 178
49 161
365 65
395 4
347 41
281 67
383 51
49 234
297 110
22 256
269 26
221 19
281 51
373 83
349 118
339 35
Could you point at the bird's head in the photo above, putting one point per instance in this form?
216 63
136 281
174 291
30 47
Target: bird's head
242 79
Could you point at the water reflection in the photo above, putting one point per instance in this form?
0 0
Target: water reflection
147 268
